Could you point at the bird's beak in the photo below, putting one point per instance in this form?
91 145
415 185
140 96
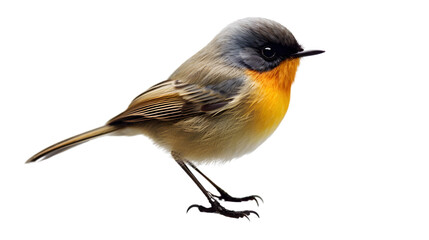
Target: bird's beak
306 53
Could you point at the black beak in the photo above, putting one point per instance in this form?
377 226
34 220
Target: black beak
306 53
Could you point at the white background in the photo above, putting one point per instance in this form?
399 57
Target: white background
349 161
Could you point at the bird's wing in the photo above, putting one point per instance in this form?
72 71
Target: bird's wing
175 100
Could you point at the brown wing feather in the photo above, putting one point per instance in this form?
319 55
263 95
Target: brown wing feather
172 100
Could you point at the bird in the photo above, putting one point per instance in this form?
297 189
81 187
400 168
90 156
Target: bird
221 103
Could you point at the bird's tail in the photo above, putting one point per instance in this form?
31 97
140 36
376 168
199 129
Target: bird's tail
71 142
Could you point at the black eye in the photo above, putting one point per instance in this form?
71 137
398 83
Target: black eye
268 52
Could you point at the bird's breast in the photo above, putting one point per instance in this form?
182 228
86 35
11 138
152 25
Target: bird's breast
272 95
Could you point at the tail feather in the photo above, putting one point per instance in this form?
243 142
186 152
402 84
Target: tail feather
71 142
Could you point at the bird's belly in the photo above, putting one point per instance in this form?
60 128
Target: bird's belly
225 136
226 139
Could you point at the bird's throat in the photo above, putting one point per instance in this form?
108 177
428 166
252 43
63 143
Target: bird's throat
280 78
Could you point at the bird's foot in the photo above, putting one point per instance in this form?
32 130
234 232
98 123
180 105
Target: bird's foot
226 197
217 208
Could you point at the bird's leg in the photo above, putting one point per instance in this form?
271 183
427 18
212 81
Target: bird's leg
224 195
215 205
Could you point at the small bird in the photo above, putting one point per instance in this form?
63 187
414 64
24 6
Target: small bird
220 104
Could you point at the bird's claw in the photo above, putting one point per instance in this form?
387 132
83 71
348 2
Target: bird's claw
226 197
217 208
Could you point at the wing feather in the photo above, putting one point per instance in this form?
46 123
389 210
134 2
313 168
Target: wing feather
174 100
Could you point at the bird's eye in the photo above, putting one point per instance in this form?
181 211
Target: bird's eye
268 52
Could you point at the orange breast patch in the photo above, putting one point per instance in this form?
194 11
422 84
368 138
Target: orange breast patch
273 95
